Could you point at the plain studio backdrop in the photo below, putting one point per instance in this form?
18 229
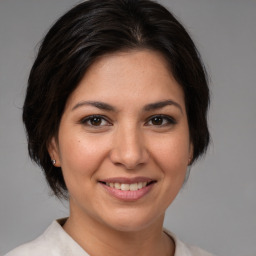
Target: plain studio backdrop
216 209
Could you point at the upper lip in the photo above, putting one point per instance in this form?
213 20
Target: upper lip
125 180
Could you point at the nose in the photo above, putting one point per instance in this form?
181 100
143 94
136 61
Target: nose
129 149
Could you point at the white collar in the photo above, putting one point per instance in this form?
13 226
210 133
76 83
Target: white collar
56 242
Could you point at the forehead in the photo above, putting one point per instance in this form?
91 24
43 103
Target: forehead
141 75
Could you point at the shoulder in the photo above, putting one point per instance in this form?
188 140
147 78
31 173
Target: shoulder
195 251
182 249
40 246
53 242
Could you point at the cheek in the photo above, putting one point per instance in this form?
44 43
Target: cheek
80 157
173 149
172 156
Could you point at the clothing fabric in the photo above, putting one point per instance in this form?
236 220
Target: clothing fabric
56 242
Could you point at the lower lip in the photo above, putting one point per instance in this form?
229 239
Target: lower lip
128 195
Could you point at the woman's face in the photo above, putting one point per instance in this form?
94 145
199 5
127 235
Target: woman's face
123 142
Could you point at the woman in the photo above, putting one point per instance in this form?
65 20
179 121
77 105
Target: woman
115 112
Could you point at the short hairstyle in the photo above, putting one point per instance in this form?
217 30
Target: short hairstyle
93 29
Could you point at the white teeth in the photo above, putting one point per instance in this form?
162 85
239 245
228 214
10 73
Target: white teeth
140 185
127 187
133 187
117 185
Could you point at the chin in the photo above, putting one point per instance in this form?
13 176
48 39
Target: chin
133 222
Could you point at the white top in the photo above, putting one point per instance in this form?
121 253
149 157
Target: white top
56 242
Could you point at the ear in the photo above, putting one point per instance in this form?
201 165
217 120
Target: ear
53 150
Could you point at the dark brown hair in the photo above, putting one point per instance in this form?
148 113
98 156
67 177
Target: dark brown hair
92 29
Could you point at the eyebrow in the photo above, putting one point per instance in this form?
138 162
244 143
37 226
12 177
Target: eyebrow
162 104
97 104
107 107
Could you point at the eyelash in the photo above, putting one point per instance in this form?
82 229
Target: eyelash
86 120
168 120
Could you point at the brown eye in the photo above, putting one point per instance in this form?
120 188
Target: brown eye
161 120
95 121
157 120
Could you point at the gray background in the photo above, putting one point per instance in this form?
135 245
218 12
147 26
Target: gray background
217 208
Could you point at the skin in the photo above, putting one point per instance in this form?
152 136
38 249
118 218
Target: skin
123 142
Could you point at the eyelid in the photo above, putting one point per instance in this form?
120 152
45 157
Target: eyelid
87 118
171 120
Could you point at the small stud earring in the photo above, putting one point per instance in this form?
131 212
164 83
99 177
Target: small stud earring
53 161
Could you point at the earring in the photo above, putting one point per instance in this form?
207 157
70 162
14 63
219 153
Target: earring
189 160
53 161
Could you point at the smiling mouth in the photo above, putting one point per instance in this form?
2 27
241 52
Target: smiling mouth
128 187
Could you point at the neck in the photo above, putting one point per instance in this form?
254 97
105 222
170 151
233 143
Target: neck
99 239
